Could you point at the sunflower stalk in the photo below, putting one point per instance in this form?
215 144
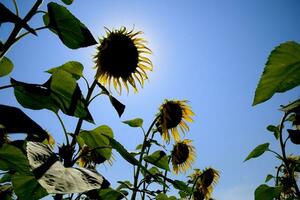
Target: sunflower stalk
136 175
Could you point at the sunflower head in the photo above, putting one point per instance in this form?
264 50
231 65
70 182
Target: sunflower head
205 181
121 59
183 156
174 114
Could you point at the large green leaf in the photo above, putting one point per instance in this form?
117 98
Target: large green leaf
258 151
264 192
281 73
60 92
69 29
12 158
159 159
95 139
26 187
73 67
6 66
137 122
15 120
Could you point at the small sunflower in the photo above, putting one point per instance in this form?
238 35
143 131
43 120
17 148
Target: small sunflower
174 113
121 59
183 156
205 182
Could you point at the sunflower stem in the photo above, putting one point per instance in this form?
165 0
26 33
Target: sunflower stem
166 173
64 128
16 7
136 175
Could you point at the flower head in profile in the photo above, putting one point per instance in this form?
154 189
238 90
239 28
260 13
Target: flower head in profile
183 156
205 181
122 59
174 114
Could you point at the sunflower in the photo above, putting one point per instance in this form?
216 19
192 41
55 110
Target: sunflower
121 59
171 115
183 156
205 182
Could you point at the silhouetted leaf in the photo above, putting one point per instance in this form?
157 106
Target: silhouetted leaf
159 159
281 73
119 107
264 192
8 16
137 122
12 158
112 194
269 177
68 2
274 130
73 67
69 29
6 66
26 187
15 120
258 151
96 139
294 136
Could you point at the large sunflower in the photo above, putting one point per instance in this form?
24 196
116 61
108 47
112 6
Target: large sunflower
183 156
174 114
121 59
205 181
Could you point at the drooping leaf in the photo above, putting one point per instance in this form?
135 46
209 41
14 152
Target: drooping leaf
95 139
8 16
68 2
264 192
269 177
112 194
12 158
137 122
281 73
294 136
258 151
6 66
119 107
69 29
292 107
26 187
73 67
159 159
15 120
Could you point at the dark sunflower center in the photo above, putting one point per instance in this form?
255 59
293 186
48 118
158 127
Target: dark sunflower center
180 153
207 177
118 55
173 114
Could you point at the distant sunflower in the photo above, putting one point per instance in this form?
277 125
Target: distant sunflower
173 114
183 156
121 59
206 180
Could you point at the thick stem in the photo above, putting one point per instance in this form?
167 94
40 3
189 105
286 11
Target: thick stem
285 160
11 39
136 175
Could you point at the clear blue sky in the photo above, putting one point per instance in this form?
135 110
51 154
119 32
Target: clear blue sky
211 53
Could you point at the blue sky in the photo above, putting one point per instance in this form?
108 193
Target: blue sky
211 53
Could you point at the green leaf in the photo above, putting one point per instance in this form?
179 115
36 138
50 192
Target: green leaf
274 130
281 73
124 185
139 147
269 177
26 187
180 185
112 194
12 158
96 139
153 170
5 178
68 2
69 29
292 107
258 151
15 120
162 196
264 192
159 159
6 66
137 122
73 67
6 192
